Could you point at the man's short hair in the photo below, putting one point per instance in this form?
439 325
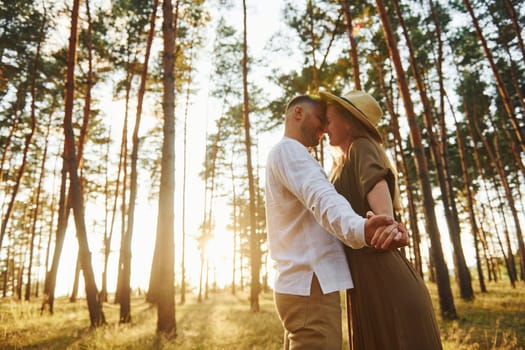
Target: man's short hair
302 99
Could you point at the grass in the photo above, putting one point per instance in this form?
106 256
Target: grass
495 320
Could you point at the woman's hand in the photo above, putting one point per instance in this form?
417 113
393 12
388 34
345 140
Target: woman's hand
382 232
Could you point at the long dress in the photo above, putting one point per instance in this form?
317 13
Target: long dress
391 306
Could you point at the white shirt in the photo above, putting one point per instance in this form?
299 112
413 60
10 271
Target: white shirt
303 241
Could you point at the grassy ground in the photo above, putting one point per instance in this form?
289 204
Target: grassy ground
495 320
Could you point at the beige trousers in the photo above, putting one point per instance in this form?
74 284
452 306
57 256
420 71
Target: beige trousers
310 322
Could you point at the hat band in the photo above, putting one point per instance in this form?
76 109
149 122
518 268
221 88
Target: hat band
353 105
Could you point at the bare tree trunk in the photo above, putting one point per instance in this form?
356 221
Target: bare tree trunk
162 279
184 175
201 276
234 194
37 207
95 308
125 250
509 260
8 269
255 254
63 213
446 300
207 275
122 168
28 140
353 44
470 204
315 73
74 289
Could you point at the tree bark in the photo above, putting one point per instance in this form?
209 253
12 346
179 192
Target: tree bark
470 204
255 249
353 44
163 274
33 128
125 250
70 158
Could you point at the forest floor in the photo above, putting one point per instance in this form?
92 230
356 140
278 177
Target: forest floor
494 320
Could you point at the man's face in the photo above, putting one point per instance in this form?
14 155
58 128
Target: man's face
313 126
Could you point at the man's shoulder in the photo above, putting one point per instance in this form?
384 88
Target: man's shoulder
285 146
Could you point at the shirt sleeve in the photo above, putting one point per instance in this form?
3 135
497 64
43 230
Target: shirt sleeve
302 175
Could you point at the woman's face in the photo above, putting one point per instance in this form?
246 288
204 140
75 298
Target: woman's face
338 127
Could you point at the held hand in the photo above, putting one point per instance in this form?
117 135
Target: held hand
382 232
375 226
390 237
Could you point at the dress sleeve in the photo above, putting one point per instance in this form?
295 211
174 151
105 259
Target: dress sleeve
370 166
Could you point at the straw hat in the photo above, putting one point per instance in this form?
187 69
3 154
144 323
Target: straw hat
362 106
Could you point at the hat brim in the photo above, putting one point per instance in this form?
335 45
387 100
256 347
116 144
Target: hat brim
355 112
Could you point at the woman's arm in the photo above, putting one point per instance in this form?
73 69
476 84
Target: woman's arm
380 202
379 199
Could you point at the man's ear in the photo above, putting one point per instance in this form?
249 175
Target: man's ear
298 112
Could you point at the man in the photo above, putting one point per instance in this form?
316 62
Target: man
306 217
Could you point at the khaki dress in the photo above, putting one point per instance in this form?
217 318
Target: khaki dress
391 306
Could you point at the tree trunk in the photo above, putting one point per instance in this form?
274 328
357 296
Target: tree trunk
63 214
125 250
39 192
201 276
446 300
74 288
122 168
470 204
184 175
353 44
29 138
94 306
163 274
234 209
255 254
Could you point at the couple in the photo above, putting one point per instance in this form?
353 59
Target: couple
308 217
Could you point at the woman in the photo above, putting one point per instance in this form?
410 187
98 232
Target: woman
391 306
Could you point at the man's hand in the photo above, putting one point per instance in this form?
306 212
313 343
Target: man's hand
382 232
